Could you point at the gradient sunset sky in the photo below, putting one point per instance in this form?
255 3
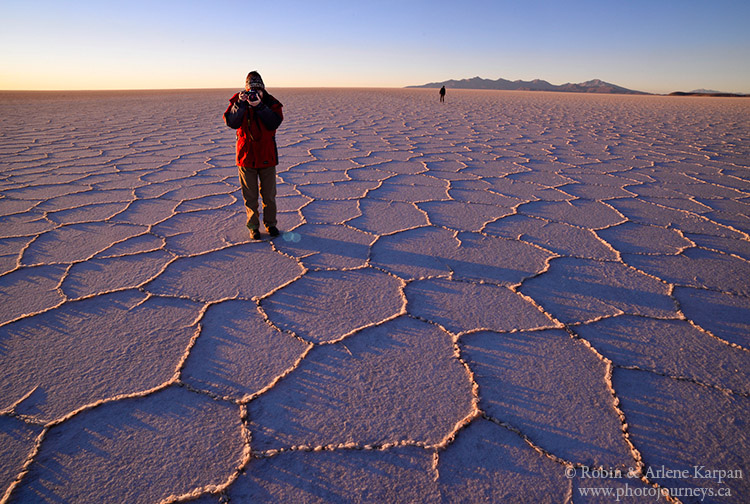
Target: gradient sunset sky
655 45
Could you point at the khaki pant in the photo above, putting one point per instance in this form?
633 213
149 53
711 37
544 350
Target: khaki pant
261 181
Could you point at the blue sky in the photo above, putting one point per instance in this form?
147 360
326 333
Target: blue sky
656 46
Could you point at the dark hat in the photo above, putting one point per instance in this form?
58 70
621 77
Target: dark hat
254 81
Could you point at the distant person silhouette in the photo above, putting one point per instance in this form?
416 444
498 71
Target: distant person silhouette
442 94
255 114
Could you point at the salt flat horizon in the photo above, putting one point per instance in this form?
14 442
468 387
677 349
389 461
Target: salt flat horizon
510 297
356 88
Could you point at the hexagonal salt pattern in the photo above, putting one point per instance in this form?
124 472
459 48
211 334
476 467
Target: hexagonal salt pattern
399 382
477 301
143 449
328 305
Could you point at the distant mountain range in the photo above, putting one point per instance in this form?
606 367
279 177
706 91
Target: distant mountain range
592 86
708 92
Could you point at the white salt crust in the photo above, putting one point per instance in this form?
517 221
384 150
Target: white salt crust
469 300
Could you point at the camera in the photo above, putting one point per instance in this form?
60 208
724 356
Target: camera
249 95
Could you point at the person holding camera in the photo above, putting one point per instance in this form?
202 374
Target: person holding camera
256 115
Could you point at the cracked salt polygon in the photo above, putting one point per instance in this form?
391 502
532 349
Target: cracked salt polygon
697 268
493 170
330 211
399 474
557 237
738 218
711 193
634 238
596 192
734 246
300 177
138 450
368 173
114 182
669 347
681 204
415 253
553 389
327 305
77 242
650 214
333 154
291 203
43 192
15 207
722 313
394 382
17 440
348 189
483 195
581 290
10 251
489 463
323 246
77 201
214 202
99 276
404 167
524 191
480 257
202 231
462 216
680 426
238 354
91 350
87 213
27 224
440 168
147 212
726 207
386 217
288 220
590 177
43 281
541 173
430 251
242 271
409 188
133 246
581 213
655 190
473 306
157 190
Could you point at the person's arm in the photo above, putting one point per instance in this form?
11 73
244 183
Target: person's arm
235 113
270 116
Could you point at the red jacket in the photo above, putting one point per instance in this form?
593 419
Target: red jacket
256 130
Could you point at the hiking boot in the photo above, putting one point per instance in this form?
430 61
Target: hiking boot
273 231
255 234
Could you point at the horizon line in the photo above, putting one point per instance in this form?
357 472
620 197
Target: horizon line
411 87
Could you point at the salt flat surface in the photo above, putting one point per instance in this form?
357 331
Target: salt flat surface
477 301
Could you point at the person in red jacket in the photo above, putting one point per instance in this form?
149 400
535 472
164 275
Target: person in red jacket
256 115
